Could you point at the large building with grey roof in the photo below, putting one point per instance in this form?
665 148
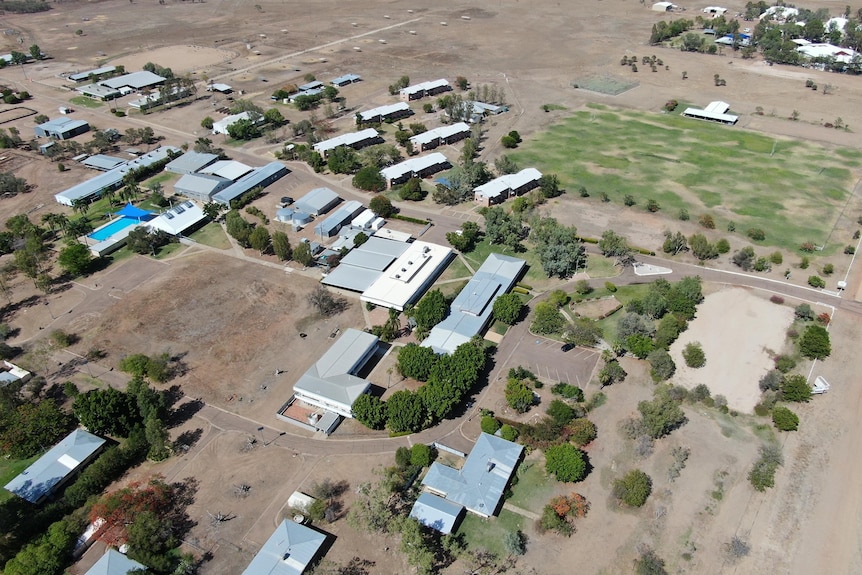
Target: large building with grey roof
355 140
331 383
472 308
338 219
190 162
317 201
53 469
115 563
134 81
479 484
290 550
385 113
448 134
259 177
507 186
363 265
61 128
418 167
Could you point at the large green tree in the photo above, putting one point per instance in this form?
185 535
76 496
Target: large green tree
369 179
33 427
430 310
507 308
405 412
661 415
633 488
416 362
814 343
281 246
547 319
75 259
107 411
566 462
370 411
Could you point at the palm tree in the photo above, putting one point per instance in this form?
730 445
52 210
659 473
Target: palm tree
393 323
80 206
109 195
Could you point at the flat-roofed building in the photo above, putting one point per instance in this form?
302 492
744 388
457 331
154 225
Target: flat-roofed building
331 383
385 113
355 140
227 169
180 219
430 88
715 112
471 310
440 136
102 162
200 187
338 219
95 74
408 277
135 81
259 177
190 162
364 265
61 128
98 92
507 186
317 201
418 167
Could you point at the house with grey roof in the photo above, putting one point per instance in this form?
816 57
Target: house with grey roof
98 92
479 484
53 469
61 128
11 373
331 383
317 201
471 310
259 177
437 513
190 162
289 550
115 563
338 219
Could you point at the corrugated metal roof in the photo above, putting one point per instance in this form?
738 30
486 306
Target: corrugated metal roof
442 132
103 162
348 139
338 218
384 111
317 201
508 182
413 165
288 551
114 563
136 80
251 180
94 72
424 86
190 162
436 513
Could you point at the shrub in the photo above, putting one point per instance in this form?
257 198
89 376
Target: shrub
568 391
610 287
762 475
772 380
490 424
583 431
633 488
776 258
756 234
693 355
706 221
777 299
761 410
784 419
421 455
828 269
795 388
816 281
566 462
815 343
849 250
700 392
508 433
723 246
784 363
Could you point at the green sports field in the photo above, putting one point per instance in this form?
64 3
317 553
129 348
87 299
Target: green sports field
792 190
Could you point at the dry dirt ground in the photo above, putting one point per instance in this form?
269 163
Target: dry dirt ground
733 364
235 322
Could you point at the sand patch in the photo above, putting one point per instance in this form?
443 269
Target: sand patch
737 330
180 59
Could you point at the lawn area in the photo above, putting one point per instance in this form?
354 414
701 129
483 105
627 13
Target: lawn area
534 488
86 102
624 295
211 235
451 289
9 468
169 250
488 533
162 179
792 190
599 266
455 270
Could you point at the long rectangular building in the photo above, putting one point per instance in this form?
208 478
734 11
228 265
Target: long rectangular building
715 112
430 88
385 113
440 136
409 276
355 140
261 177
338 219
507 186
417 167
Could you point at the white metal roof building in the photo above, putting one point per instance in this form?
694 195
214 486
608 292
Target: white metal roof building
364 265
190 162
178 219
439 136
507 186
355 140
135 80
423 89
843 55
259 177
221 88
115 563
289 550
384 113
480 483
417 167
200 187
57 464
390 234
227 169
437 513
472 308
715 112
409 276
663 6
330 383
98 91
363 220
317 201
96 72
338 219
102 162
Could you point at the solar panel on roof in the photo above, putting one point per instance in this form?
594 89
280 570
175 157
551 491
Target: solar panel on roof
188 204
169 215
179 209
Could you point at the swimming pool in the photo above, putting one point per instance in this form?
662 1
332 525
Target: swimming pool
112 228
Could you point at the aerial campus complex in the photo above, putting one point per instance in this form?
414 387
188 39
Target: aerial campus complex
388 288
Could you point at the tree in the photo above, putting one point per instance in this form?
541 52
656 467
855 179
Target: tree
343 160
814 343
795 388
260 239
281 246
302 254
693 355
566 462
633 488
207 123
583 331
369 179
381 206
611 373
243 129
674 243
107 411
421 455
370 411
30 427
430 310
745 258
518 396
465 239
75 259
661 416
560 250
661 363
274 117
416 361
616 246
405 412
582 431
502 228
547 319
784 419
508 307
504 165
701 248
649 563
549 184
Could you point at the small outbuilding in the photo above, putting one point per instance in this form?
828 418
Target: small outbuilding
663 7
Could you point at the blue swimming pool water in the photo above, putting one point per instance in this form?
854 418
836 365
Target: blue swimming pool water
112 228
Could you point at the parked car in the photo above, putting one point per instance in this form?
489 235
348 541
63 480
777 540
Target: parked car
567 347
